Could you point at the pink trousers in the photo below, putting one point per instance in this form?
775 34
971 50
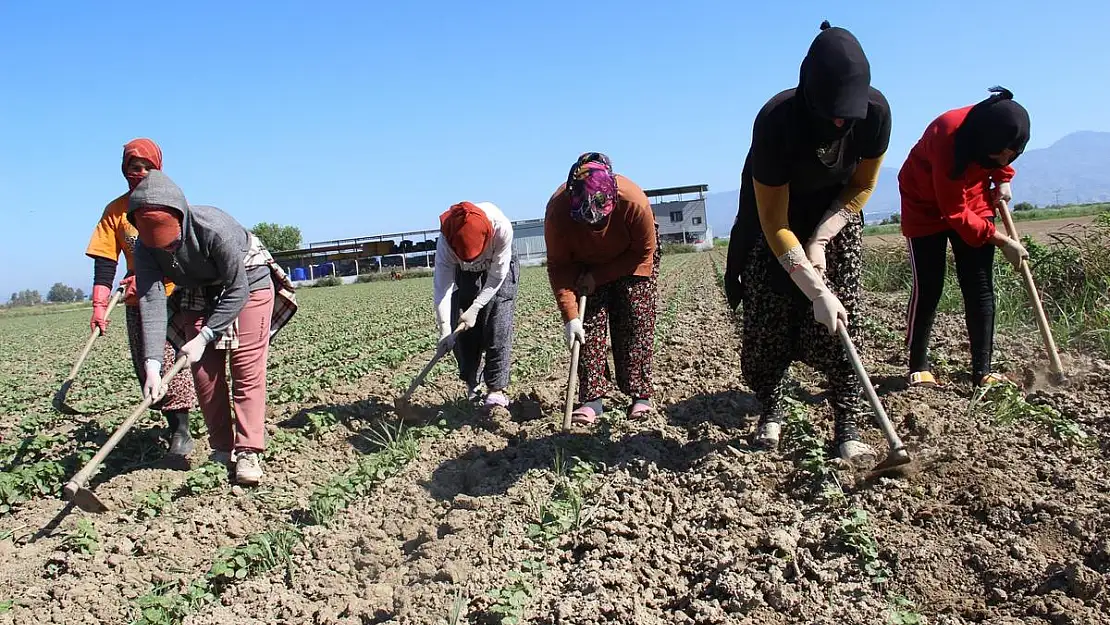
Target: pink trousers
248 379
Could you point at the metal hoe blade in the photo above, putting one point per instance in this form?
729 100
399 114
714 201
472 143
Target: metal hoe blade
60 400
84 498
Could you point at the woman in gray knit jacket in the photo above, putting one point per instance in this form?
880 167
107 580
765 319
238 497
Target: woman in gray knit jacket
231 300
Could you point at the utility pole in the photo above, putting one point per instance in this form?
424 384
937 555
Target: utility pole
1057 198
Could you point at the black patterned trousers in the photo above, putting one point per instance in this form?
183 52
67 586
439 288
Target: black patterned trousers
624 309
779 328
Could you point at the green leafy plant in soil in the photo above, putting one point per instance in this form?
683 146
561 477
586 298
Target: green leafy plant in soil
398 445
810 456
150 504
203 479
902 611
1006 404
508 603
563 510
83 540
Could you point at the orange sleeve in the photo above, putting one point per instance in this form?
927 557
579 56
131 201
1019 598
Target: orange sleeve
104 243
562 270
636 259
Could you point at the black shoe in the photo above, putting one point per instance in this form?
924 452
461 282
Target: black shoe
181 441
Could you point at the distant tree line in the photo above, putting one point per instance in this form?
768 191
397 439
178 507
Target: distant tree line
59 293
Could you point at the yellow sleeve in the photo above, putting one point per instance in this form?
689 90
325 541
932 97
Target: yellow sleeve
773 203
103 243
861 184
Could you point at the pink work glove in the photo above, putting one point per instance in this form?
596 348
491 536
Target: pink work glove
100 308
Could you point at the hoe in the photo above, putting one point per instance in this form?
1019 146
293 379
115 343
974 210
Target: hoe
403 404
898 459
60 397
76 490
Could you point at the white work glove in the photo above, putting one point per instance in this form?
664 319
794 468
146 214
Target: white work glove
152 381
469 318
1003 193
831 224
827 309
575 331
194 349
1014 251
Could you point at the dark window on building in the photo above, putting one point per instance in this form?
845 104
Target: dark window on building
697 221
676 216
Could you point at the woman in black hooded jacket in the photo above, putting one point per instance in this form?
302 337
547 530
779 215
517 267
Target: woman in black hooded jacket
796 245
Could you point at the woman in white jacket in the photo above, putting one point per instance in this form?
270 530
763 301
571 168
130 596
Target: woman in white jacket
475 288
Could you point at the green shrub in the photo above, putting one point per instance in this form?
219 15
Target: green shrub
329 281
678 248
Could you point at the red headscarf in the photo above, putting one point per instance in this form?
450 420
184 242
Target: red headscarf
467 229
140 148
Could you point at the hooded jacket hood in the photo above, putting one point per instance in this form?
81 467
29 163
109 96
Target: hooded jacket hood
994 124
158 190
834 82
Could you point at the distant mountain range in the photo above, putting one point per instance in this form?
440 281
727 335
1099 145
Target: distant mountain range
1075 169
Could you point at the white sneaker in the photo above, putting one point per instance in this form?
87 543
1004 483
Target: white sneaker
858 453
767 437
248 468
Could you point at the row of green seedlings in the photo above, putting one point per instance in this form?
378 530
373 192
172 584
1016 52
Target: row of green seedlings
564 509
168 604
666 321
1005 402
855 532
211 476
36 464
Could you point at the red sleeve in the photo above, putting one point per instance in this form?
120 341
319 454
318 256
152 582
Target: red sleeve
1004 174
562 270
952 196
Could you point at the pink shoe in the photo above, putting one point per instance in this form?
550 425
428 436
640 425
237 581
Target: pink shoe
496 398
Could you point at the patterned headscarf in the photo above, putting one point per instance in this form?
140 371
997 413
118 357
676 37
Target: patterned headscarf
592 188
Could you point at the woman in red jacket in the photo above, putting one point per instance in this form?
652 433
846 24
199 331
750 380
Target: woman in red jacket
947 195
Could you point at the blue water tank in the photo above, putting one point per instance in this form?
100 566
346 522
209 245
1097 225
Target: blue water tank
299 274
323 269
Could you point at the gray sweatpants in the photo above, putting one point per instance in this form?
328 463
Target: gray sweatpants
492 337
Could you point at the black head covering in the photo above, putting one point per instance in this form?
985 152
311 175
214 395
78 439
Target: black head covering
993 125
834 83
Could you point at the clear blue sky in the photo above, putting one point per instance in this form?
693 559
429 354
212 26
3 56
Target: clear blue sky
352 118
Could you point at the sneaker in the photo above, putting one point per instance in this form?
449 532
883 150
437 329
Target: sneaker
858 454
248 468
767 437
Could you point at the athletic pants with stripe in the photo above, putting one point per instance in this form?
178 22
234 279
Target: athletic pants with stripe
975 274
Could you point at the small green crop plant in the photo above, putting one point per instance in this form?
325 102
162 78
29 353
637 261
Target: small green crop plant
151 503
563 510
204 479
903 612
1007 405
262 552
855 532
83 540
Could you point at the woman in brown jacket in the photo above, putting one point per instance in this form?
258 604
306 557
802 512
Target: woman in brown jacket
603 242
